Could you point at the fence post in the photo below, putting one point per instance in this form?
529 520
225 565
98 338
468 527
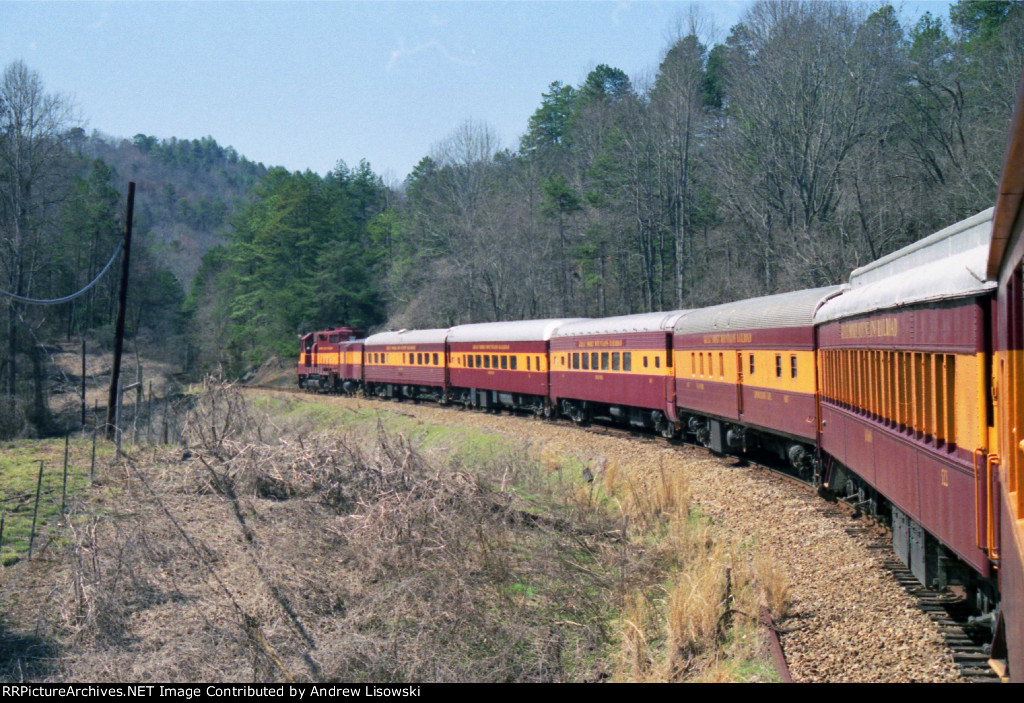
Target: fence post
64 484
92 461
35 510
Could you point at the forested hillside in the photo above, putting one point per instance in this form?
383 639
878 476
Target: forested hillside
813 138
62 204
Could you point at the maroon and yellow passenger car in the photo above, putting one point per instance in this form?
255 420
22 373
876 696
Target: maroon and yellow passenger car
502 364
746 376
406 364
904 398
350 368
1006 265
618 367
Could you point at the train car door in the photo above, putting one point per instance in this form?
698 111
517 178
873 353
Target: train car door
739 384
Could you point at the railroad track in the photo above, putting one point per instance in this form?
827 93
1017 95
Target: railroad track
967 644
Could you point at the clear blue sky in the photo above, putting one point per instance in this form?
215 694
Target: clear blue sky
304 84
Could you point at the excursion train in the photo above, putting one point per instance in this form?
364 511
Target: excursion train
901 391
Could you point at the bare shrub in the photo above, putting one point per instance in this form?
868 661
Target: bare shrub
270 555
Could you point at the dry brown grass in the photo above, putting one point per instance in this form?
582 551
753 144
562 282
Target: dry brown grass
269 550
700 622
264 554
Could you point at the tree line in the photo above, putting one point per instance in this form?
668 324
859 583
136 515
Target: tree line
62 217
814 138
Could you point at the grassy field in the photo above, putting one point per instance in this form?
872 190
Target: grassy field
19 477
298 539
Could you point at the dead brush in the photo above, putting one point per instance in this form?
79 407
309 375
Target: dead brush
695 605
775 586
635 659
220 419
110 577
652 501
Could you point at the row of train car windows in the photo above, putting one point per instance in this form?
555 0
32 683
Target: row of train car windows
499 361
603 361
412 359
697 361
913 389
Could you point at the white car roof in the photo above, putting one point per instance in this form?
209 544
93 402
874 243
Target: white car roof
794 309
643 322
434 336
947 265
517 331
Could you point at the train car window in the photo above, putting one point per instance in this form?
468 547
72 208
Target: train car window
512 362
792 366
594 361
615 361
657 362
940 397
334 339
751 364
494 361
721 364
537 359
528 363
859 379
479 364
435 359
469 361
893 386
586 361
604 361
950 365
627 361
487 361
575 360
918 402
504 362
701 363
778 365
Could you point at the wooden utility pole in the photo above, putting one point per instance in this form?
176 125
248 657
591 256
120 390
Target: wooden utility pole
122 304
83 382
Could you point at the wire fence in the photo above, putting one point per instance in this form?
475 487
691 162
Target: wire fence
32 511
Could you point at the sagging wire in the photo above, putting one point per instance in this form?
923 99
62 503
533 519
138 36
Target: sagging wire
66 298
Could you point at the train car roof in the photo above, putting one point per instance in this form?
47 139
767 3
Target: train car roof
947 265
433 336
517 331
795 309
622 324
1006 224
